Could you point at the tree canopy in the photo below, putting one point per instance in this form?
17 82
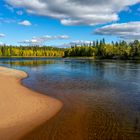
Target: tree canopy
96 49
34 51
102 50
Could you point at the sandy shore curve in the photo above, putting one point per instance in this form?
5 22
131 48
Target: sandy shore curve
22 109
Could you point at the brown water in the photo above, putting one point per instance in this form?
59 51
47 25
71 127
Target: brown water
101 98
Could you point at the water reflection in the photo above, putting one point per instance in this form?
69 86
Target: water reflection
101 98
27 63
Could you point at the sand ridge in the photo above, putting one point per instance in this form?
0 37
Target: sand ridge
22 109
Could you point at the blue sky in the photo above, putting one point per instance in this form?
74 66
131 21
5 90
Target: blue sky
63 22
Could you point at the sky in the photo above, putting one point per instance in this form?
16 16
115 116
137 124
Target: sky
64 22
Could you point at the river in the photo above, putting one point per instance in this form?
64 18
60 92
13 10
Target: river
101 98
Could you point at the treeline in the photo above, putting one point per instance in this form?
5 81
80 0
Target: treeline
102 50
31 51
96 49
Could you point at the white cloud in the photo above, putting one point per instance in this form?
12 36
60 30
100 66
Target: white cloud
41 40
80 42
73 43
138 9
9 8
127 9
130 30
76 12
62 37
2 35
1 43
25 23
19 12
7 20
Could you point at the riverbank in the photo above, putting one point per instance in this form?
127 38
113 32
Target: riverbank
21 108
30 57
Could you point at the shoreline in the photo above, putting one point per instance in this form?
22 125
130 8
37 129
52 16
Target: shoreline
76 57
22 109
31 57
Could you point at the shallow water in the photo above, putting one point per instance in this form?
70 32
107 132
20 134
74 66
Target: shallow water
101 98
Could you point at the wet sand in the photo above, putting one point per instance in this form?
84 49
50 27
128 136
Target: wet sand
21 109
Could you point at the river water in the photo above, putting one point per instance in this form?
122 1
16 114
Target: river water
101 98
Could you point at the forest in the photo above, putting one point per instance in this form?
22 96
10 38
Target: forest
30 51
96 49
102 50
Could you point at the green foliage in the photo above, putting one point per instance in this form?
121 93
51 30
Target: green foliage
96 49
102 50
32 51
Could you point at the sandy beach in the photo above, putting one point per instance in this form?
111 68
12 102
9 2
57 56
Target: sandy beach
22 109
